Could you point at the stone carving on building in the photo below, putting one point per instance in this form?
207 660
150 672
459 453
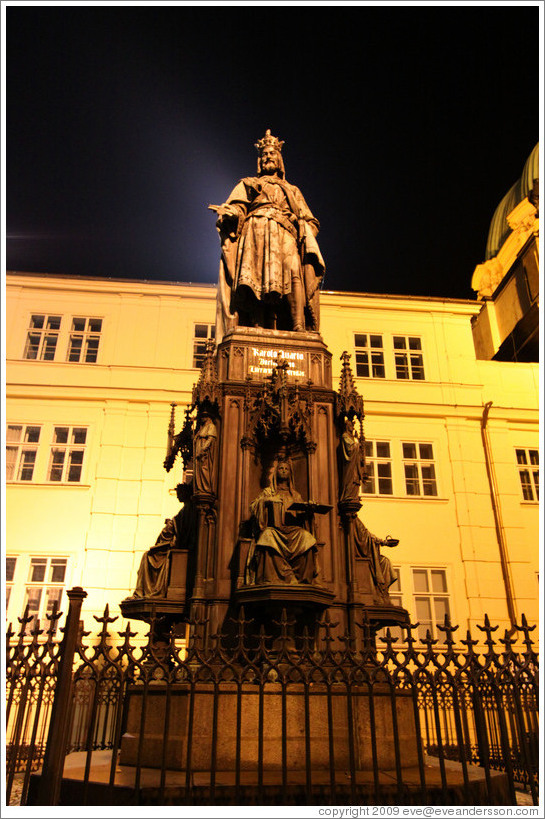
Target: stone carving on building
523 222
178 532
271 266
486 278
285 550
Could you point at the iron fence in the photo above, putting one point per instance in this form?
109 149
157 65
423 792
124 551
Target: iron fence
31 672
268 720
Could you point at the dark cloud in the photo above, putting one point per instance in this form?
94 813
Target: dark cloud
404 126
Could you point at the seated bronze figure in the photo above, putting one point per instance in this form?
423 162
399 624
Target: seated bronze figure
285 551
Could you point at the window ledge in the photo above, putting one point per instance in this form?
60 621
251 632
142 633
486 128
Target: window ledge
410 498
49 361
386 380
529 503
49 484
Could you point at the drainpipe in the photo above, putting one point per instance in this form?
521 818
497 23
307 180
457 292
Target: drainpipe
500 534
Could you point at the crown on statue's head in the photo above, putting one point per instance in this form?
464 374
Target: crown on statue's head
269 141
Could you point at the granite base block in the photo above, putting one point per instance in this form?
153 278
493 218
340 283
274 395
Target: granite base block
326 733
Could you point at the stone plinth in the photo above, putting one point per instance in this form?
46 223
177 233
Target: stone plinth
321 731
298 595
248 353
146 608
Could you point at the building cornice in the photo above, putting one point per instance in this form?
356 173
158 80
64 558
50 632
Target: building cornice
137 286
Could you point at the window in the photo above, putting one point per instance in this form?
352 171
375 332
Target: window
42 337
409 361
44 587
67 451
84 340
379 468
369 356
431 600
203 332
419 469
528 463
21 450
11 562
65 458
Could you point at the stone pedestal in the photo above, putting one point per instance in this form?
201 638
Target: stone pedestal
329 741
246 359
249 353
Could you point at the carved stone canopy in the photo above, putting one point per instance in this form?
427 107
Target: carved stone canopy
207 391
279 413
205 398
348 402
182 443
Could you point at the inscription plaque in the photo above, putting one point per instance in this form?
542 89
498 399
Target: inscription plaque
261 360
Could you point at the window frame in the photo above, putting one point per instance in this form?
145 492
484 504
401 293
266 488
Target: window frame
428 595
46 334
531 485
374 460
46 585
403 593
68 448
200 341
409 353
85 336
371 353
418 463
10 581
22 447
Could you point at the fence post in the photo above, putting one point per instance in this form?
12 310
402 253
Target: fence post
55 752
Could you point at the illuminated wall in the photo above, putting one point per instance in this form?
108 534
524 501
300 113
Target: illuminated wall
93 366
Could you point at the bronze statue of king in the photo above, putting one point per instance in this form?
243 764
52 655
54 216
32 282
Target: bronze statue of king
271 266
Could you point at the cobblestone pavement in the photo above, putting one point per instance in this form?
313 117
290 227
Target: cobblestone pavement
16 789
524 798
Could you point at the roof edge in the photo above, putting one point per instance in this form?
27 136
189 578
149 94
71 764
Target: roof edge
209 285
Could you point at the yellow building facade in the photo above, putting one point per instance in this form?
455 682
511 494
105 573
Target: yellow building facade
93 366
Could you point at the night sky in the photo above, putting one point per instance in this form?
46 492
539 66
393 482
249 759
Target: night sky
403 127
